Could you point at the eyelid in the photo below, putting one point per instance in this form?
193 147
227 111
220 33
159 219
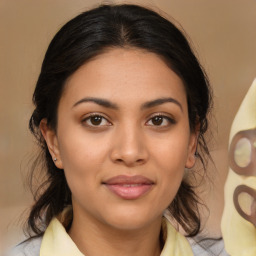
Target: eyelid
93 114
169 118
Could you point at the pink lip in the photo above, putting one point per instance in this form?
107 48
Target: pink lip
129 187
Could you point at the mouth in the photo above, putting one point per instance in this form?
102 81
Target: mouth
129 187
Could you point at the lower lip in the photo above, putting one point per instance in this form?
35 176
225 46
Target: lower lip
129 192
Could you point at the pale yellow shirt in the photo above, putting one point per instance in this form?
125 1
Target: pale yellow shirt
57 242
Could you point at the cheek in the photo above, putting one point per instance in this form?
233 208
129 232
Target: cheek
170 159
172 152
78 149
82 160
169 180
170 176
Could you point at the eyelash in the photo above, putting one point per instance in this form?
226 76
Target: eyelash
164 117
89 118
99 115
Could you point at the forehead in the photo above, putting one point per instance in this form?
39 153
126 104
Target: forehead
125 74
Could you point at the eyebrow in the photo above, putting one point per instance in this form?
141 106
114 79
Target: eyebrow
107 104
153 103
99 101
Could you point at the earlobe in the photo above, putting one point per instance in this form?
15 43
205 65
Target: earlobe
192 150
52 143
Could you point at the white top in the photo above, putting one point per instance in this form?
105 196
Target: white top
57 242
32 248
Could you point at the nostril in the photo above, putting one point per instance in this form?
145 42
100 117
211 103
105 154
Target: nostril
129 154
129 162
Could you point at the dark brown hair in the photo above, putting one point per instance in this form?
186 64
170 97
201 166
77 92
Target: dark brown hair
85 37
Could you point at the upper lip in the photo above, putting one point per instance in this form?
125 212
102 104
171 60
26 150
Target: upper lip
124 179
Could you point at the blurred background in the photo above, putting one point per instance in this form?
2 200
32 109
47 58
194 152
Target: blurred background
223 33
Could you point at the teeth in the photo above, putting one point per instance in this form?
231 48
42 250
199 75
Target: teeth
131 185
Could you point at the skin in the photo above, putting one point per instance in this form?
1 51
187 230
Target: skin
129 141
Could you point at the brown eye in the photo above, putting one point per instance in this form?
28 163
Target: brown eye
160 120
96 120
157 120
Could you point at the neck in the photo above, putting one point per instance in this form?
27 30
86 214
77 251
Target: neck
93 238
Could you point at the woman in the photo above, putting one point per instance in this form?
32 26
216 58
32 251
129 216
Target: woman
121 109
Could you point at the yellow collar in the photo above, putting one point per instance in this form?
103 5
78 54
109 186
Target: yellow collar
57 242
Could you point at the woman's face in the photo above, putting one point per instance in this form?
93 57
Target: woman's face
123 138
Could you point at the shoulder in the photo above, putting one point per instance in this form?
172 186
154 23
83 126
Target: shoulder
29 247
207 246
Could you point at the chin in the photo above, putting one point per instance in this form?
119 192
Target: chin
131 219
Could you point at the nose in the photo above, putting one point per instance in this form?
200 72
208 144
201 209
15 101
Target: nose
129 147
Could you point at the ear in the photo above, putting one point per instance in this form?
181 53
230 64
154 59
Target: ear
192 147
52 143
